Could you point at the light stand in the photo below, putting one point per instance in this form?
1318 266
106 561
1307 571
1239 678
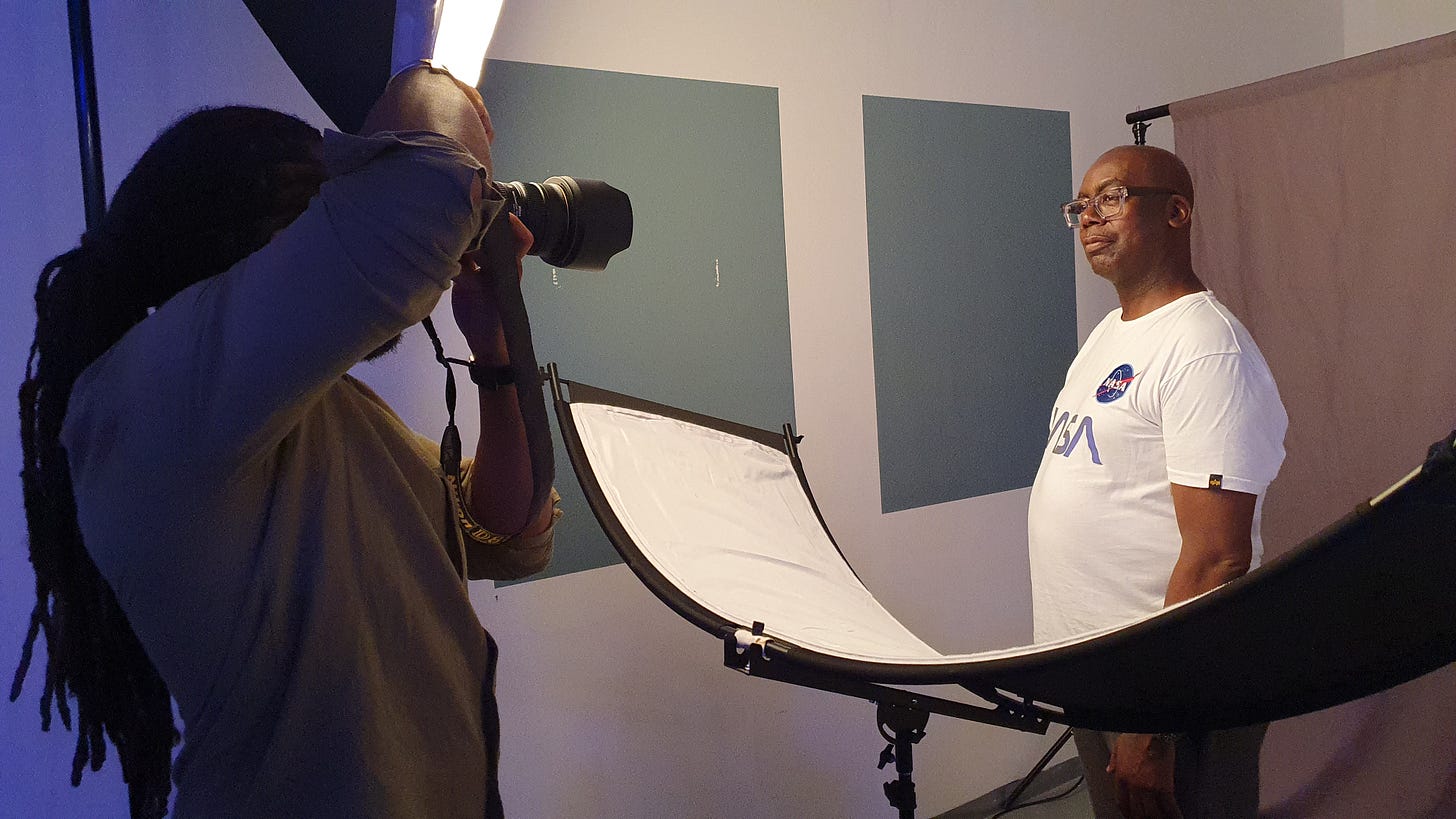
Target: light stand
88 123
901 715
1036 770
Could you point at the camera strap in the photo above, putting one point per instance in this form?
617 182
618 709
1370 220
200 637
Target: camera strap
527 376
525 373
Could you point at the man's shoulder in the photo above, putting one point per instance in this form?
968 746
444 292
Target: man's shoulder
1204 326
350 403
352 385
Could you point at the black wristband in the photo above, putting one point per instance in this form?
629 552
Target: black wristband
491 378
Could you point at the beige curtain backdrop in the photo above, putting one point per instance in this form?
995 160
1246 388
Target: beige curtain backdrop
1326 220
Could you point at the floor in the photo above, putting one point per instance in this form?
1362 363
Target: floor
1062 778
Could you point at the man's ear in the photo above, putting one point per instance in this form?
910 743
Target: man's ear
1180 211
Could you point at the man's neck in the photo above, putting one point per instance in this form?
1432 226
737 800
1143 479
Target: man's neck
1147 293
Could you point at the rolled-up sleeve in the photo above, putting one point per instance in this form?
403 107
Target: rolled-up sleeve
225 368
516 557
438 201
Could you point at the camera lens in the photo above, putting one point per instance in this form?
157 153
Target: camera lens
578 224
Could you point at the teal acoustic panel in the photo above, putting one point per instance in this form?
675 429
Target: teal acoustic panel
972 295
695 313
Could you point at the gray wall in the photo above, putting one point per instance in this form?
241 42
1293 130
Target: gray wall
694 314
972 292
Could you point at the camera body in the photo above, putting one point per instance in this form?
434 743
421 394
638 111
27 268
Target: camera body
578 224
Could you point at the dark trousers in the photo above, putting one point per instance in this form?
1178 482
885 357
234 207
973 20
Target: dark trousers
1215 774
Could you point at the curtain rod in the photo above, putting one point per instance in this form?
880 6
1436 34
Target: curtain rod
1139 122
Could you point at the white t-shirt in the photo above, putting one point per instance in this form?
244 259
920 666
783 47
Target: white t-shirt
1180 395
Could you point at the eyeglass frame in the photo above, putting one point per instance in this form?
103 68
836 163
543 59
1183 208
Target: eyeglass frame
1074 222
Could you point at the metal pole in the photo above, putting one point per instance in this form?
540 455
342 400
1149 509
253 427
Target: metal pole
1037 769
1139 121
88 124
1156 112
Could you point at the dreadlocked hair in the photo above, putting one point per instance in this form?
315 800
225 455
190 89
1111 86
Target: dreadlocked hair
212 189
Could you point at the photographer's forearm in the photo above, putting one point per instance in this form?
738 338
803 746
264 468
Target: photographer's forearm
420 99
500 488
501 483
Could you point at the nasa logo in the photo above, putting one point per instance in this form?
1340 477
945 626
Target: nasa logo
1067 440
1115 385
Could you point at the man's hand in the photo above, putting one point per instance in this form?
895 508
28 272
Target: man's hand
422 99
472 296
1142 767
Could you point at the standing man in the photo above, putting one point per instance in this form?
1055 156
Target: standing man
1163 440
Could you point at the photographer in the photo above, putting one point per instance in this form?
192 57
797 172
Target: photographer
218 512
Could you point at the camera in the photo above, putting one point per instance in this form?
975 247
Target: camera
578 224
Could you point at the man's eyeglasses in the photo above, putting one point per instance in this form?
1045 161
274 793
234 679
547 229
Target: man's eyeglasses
1106 204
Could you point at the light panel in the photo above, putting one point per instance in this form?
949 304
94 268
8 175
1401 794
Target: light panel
464 32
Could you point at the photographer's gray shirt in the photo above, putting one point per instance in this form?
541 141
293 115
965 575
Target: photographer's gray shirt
275 534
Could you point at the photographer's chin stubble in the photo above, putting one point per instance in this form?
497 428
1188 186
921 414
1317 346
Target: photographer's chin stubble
384 349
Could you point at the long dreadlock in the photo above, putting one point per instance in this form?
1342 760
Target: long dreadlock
212 189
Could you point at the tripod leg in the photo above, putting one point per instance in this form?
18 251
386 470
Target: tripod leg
1037 769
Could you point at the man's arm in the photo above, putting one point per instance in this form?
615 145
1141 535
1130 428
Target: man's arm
1217 530
1217 527
500 483
499 489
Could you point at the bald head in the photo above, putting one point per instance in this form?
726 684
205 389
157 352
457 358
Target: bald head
1143 248
1153 167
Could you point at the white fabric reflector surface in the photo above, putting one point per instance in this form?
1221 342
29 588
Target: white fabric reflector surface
726 520
714 519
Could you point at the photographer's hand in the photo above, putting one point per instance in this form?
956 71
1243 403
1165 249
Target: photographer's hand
472 296
427 99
